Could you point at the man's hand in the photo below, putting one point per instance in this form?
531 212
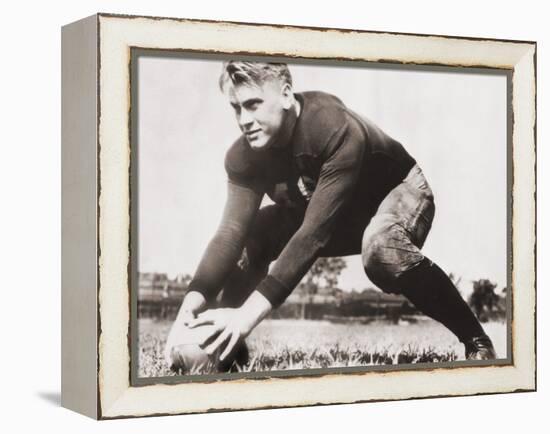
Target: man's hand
232 325
193 303
228 325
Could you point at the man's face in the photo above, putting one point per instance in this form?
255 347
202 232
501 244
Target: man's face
260 111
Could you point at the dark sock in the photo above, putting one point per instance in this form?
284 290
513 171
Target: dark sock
432 292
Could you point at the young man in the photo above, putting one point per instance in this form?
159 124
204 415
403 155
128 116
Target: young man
341 186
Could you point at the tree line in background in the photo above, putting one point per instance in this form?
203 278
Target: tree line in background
318 297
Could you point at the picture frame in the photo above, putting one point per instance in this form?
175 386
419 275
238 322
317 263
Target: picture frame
99 166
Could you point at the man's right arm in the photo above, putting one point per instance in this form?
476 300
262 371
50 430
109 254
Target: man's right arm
226 246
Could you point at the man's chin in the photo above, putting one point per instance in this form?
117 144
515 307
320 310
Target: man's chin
258 145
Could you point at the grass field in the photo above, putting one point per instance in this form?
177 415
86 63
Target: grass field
298 344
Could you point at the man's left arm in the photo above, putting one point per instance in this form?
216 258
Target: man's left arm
337 181
335 186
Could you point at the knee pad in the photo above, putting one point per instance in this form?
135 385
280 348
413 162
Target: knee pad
387 253
377 261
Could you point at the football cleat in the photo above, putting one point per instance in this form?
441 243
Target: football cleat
480 348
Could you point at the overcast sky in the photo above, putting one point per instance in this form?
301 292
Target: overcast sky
453 123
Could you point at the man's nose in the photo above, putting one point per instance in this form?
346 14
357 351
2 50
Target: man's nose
245 119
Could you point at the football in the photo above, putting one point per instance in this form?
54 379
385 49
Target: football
184 354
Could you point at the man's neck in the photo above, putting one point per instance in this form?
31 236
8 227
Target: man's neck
287 130
297 107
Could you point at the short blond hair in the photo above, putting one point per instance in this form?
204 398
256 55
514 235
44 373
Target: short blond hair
253 73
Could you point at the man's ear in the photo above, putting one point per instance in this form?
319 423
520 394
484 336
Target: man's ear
287 96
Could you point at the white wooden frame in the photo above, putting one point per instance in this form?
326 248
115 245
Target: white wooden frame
96 217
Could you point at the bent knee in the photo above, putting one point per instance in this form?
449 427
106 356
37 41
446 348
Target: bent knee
387 254
377 261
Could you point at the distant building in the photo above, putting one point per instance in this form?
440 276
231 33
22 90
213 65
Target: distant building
160 297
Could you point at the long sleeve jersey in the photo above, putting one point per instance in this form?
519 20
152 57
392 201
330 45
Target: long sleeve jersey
337 168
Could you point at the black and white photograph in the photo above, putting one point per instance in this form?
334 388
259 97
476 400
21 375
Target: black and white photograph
275 217
299 216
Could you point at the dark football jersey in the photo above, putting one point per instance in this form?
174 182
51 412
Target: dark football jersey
337 168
